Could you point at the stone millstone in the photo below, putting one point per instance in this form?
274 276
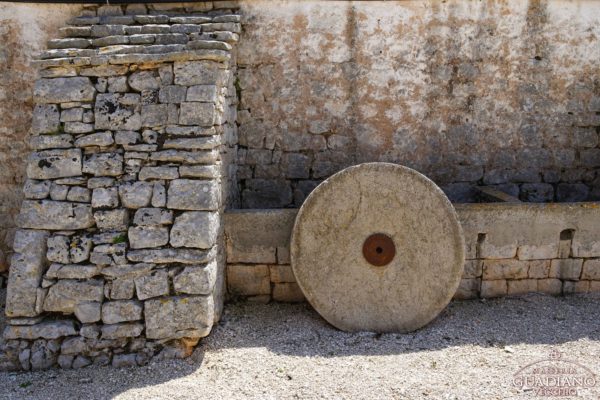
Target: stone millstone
412 229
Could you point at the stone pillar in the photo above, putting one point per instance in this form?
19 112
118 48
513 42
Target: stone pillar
119 255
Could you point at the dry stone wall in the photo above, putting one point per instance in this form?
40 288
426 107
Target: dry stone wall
511 249
118 255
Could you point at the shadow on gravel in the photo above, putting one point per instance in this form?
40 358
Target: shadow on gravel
299 330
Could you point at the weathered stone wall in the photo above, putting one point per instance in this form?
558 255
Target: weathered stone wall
24 30
119 256
510 249
497 93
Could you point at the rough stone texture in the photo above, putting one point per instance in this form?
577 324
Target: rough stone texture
177 317
66 294
186 194
407 292
197 229
50 164
152 285
121 311
555 241
27 267
197 279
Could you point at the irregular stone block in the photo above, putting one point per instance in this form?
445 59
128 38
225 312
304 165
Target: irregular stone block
27 267
125 330
52 164
58 249
172 94
95 139
202 114
44 142
201 143
44 354
103 164
199 171
202 93
504 269
116 111
539 269
494 288
45 119
122 289
197 279
36 190
88 312
154 115
46 214
127 137
591 270
248 280
79 194
72 115
288 292
78 127
64 295
159 195
80 249
153 216
153 285
136 195
127 271
147 173
195 229
143 80
117 219
72 271
178 317
187 157
121 311
572 287
58 192
168 256
105 198
189 73
186 194
63 90
45 330
143 237
568 268
281 274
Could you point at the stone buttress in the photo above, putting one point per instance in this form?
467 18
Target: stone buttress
119 257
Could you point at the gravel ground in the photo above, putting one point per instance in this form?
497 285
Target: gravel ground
281 351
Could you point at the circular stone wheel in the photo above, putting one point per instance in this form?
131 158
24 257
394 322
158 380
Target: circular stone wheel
378 247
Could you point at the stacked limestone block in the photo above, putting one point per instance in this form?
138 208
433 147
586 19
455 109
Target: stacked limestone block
118 256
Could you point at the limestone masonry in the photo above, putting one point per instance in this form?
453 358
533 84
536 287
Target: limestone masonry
130 141
118 255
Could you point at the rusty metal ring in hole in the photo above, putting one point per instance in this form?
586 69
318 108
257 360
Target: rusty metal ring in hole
379 249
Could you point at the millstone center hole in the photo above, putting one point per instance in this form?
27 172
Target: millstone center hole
379 249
